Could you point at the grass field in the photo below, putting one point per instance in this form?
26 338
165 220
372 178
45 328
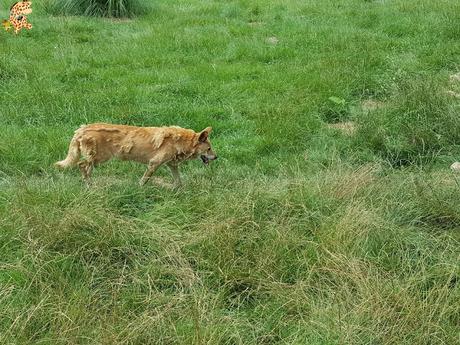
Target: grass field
298 234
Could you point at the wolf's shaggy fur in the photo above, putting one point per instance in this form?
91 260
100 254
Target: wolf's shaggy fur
154 146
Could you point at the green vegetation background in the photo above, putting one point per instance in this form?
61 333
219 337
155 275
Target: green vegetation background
299 234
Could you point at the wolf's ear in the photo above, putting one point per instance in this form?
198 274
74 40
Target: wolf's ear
204 134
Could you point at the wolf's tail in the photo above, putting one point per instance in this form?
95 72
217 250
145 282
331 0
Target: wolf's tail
72 156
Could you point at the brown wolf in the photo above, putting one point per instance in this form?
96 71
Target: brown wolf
154 146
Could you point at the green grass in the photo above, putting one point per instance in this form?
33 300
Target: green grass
298 234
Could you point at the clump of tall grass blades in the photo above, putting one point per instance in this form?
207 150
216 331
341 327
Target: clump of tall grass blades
418 123
96 8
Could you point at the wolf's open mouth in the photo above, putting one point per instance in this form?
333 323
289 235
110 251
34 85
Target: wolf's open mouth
204 159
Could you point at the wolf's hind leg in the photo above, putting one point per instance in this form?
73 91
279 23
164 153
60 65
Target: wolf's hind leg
88 151
86 168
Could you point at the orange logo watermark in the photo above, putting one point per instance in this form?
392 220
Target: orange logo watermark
18 19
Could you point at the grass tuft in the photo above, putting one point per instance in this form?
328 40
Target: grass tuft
418 123
95 8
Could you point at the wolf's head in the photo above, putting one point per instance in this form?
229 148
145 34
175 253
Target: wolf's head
203 146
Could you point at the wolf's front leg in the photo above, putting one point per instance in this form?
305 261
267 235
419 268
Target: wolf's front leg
175 173
153 165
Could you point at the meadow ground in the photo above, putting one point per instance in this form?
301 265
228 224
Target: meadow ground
299 234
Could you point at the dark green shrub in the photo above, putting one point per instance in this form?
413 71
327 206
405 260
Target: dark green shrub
98 8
